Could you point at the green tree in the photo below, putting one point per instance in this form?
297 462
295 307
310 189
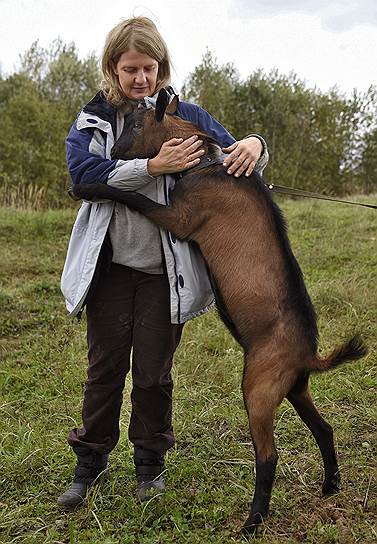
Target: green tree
315 138
38 105
367 171
279 108
60 75
32 140
212 87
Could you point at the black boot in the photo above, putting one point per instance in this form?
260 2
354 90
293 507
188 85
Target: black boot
149 467
90 468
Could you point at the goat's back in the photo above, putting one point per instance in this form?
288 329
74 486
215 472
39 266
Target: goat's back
243 236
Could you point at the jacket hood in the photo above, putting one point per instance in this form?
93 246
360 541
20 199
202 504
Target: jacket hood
100 107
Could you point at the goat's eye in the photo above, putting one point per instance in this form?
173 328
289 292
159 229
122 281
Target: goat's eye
138 124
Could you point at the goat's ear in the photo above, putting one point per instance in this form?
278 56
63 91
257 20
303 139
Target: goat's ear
172 107
161 105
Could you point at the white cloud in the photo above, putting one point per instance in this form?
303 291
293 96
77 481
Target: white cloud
288 39
335 15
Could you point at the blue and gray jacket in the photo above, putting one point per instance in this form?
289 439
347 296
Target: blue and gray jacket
89 145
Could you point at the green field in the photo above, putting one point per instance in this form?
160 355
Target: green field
211 470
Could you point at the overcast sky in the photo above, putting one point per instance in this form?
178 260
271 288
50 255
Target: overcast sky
326 42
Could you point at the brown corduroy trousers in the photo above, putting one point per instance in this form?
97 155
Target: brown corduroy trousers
129 309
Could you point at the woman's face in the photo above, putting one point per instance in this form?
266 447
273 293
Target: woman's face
137 74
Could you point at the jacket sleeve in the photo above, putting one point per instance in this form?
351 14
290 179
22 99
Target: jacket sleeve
87 162
261 163
207 123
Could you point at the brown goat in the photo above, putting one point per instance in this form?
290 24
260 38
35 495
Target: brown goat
258 286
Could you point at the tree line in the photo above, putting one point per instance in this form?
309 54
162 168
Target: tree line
318 141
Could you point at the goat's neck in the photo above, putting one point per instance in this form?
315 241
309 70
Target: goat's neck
213 155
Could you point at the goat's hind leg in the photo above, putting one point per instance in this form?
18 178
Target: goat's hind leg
262 395
302 402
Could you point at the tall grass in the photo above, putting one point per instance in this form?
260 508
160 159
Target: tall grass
26 196
32 196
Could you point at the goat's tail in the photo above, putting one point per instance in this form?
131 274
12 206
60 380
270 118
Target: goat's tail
349 351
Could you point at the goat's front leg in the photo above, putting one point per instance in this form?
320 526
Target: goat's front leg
175 218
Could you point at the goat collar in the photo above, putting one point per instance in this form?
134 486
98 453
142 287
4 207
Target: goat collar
215 157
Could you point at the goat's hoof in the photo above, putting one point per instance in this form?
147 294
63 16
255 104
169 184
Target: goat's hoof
250 530
252 525
331 486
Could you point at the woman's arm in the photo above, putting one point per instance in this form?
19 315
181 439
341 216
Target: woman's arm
176 155
246 155
251 152
87 162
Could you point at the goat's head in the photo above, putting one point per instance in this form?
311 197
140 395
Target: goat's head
145 130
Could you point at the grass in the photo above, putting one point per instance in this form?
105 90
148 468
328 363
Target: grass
210 471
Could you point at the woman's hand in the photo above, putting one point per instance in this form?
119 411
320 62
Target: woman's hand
176 155
243 156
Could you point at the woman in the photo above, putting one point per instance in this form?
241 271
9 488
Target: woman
139 286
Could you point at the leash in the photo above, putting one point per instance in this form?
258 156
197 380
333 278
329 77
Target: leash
307 194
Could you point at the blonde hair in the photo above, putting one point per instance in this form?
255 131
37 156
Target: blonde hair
141 34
